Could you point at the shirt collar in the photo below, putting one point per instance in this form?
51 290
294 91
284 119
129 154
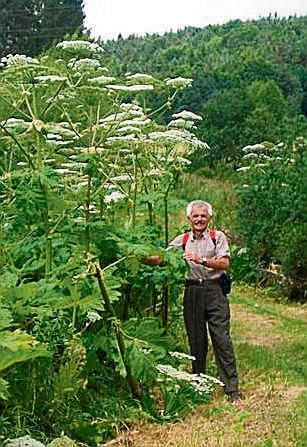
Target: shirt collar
203 236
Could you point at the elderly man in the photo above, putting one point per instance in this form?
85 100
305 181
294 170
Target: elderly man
205 304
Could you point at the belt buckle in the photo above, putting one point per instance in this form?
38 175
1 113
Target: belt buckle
200 280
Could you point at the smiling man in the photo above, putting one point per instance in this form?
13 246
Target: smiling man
205 304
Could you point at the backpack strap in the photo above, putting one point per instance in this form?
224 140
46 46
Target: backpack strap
212 234
185 238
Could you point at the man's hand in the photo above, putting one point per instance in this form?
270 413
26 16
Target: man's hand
152 260
192 257
214 263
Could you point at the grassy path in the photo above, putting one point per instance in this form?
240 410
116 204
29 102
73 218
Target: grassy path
270 342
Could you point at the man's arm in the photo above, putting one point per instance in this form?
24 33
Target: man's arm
214 263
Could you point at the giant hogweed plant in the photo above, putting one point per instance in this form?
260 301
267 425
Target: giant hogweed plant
272 186
84 167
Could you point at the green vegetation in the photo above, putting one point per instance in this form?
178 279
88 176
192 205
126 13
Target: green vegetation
30 26
249 78
97 163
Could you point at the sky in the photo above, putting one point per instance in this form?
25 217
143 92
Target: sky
109 18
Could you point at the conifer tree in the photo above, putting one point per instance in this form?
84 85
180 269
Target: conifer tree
60 17
19 22
29 26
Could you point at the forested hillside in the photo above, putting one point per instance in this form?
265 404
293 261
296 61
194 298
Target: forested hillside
249 77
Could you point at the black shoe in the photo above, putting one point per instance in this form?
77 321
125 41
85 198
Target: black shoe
234 396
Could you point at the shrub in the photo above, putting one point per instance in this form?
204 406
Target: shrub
271 214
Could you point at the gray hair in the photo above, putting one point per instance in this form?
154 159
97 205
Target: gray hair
198 203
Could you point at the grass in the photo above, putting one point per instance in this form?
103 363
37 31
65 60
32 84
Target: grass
270 341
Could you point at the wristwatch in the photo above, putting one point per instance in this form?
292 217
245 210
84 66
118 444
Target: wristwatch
204 261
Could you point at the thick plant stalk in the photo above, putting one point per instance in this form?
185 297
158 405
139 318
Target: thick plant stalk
133 384
134 194
87 216
48 236
149 204
165 294
166 219
48 264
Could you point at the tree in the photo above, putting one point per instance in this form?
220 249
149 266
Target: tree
29 26
19 22
60 17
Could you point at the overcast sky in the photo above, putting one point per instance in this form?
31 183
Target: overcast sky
108 18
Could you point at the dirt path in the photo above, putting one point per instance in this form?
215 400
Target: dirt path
221 424
264 416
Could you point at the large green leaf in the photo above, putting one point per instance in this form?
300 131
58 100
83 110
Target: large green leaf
18 346
5 318
3 389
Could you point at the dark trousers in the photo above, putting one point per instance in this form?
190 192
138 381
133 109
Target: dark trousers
206 305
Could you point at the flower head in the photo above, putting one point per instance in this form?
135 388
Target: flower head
131 88
19 59
80 45
113 197
187 115
50 78
179 82
141 77
102 80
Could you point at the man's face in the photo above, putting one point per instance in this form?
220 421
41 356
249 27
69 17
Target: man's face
199 218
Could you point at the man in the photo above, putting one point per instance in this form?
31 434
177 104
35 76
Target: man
204 302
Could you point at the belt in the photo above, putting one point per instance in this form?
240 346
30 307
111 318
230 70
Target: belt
198 282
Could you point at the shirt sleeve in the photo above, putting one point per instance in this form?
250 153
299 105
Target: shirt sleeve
222 247
177 242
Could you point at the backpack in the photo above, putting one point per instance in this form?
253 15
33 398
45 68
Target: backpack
225 279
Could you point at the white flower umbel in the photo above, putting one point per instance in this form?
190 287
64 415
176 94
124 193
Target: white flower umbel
60 129
115 117
179 82
201 383
53 136
113 197
141 77
187 115
84 64
63 171
92 150
130 106
181 355
122 138
20 59
93 316
136 122
128 129
16 124
80 45
243 168
102 80
130 88
50 78
120 178
182 124
154 171
250 155
174 135
253 147
184 161
24 441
